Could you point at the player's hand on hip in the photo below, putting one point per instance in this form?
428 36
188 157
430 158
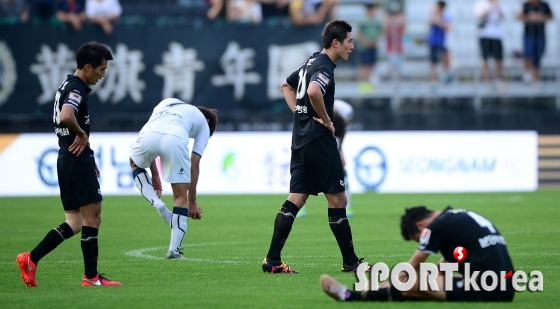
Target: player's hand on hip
194 211
79 144
328 124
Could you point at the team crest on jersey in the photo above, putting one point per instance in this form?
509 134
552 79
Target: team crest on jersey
322 77
425 236
74 97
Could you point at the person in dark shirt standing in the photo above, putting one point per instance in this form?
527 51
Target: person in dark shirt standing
315 163
534 14
77 171
443 231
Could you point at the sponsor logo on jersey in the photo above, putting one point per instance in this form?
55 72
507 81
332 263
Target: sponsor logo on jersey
62 131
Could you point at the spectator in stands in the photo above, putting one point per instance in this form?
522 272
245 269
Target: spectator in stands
440 24
216 10
393 30
43 9
244 11
275 9
489 14
104 13
369 32
72 12
15 10
311 12
534 14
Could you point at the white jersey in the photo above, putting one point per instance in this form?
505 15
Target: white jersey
345 110
175 117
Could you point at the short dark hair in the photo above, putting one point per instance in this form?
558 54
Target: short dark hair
212 115
441 4
92 53
409 219
337 29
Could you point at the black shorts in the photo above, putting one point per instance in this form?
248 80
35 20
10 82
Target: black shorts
78 182
459 294
436 53
491 48
317 167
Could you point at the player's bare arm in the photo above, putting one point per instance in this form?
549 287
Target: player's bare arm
68 118
415 260
316 98
194 209
156 180
289 95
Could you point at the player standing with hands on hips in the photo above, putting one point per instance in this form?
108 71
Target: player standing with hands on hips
77 171
315 164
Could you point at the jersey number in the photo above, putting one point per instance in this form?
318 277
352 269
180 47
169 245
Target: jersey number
302 85
483 222
56 114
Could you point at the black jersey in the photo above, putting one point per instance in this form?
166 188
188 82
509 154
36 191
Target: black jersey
316 69
73 92
535 30
485 246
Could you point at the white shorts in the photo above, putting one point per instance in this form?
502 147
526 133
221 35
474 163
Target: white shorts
173 151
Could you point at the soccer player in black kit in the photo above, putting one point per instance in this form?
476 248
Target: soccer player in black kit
77 171
315 161
444 231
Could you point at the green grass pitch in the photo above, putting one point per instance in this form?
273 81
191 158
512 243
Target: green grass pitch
225 249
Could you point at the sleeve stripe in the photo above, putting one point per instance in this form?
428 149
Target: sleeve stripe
197 154
74 105
427 251
322 89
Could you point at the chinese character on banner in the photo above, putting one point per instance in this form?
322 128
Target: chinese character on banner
122 76
235 62
283 60
51 69
178 69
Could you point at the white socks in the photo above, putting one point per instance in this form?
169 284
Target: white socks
178 228
144 184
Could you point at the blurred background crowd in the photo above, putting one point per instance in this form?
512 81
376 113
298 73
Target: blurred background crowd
411 57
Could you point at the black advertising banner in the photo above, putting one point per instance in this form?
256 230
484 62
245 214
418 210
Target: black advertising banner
236 67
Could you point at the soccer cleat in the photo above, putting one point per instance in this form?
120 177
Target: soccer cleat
27 269
302 213
349 212
174 256
276 267
99 280
333 288
352 268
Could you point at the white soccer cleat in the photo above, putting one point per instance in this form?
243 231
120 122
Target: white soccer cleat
333 288
174 256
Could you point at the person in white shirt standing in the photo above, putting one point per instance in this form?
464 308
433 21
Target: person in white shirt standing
103 13
489 14
166 135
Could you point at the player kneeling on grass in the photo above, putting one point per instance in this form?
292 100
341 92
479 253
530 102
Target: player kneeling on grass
443 231
166 135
